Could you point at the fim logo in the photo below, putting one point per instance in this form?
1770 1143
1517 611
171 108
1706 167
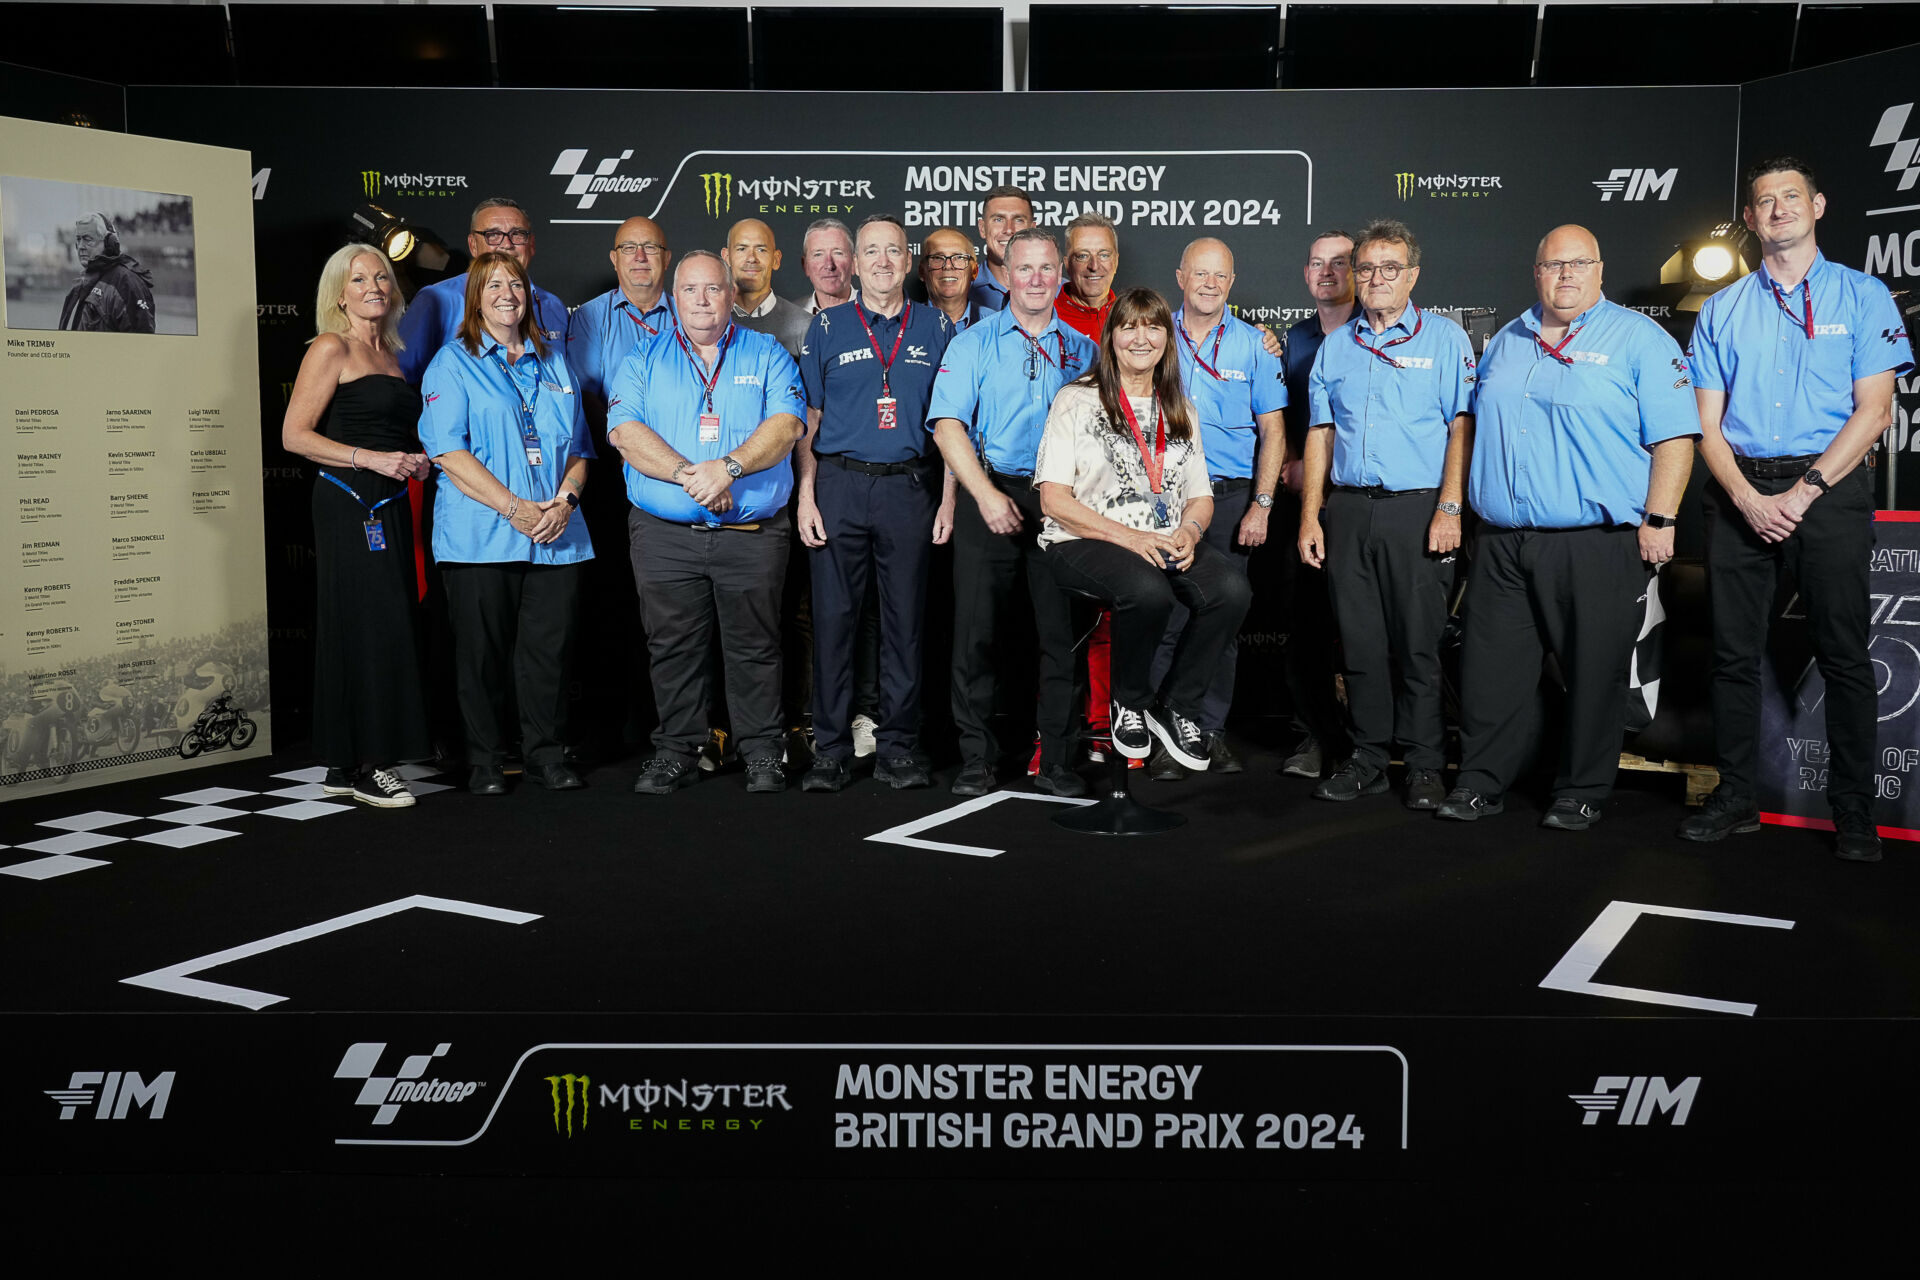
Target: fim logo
385 1093
1636 184
112 1094
716 193
1644 1096
1903 160
564 1088
602 181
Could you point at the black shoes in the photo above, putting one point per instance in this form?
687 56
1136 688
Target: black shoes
339 782
664 775
1306 760
1568 814
902 773
1725 813
1184 740
1425 791
765 776
1464 804
1058 780
974 779
1220 756
555 777
487 780
382 790
1351 781
1855 837
1162 767
827 774
1130 736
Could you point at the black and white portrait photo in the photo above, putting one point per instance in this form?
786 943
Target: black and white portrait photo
95 259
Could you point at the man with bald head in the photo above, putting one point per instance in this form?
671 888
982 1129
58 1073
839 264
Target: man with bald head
1585 423
605 331
754 257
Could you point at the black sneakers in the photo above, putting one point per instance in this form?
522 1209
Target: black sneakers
1058 780
902 773
1306 760
1568 814
765 776
1464 804
382 790
1425 791
1855 837
664 775
1221 758
339 782
1184 740
827 774
1351 781
1130 736
1725 813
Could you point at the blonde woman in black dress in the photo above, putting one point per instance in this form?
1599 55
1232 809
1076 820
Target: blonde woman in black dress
353 415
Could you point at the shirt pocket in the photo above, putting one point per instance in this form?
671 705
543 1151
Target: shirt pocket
1828 368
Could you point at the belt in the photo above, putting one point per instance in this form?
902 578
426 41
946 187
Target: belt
1770 468
1233 484
845 463
1006 475
1378 491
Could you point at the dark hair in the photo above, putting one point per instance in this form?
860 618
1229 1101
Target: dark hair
1041 234
1006 191
1333 233
882 217
472 331
1776 164
1148 307
498 202
1388 231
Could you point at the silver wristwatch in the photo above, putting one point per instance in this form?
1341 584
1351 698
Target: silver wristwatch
1448 508
1263 500
734 469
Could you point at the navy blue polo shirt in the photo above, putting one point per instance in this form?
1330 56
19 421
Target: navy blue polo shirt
1300 345
603 332
1392 412
842 377
999 383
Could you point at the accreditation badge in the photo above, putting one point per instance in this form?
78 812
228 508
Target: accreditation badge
709 428
376 536
1162 515
533 456
889 419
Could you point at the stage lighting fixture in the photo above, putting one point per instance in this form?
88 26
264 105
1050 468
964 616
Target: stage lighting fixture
387 232
1707 264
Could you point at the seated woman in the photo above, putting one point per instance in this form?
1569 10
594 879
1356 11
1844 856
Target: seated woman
1123 484
504 423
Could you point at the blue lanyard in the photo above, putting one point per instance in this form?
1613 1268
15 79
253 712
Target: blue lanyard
527 432
371 507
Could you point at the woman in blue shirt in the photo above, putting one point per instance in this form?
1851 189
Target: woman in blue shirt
504 425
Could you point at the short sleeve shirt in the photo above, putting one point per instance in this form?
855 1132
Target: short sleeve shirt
998 381
473 402
1231 380
1563 443
663 385
605 331
1392 398
1790 391
840 364
1103 467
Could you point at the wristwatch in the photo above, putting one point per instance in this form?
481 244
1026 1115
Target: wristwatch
734 469
573 499
1657 521
1818 481
1448 508
1263 500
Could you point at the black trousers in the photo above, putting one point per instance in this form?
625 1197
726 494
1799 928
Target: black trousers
1311 661
692 580
879 543
1578 592
1231 498
1213 593
1390 597
1828 555
513 629
987 567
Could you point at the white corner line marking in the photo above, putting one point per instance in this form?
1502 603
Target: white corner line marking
1584 958
177 977
907 833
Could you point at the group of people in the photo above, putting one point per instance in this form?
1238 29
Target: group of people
1077 442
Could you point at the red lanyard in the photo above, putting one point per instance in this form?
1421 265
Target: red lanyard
1155 461
635 317
1555 351
1034 342
700 370
1418 320
886 361
1218 333
1781 298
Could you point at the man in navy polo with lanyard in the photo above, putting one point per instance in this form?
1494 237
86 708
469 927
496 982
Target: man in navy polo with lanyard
1240 392
989 406
867 484
1794 369
603 332
433 317
1006 211
1390 397
705 418
1583 433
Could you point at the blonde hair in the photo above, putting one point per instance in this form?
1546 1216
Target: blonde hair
329 316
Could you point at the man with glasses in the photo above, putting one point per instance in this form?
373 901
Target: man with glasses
990 402
826 255
1584 425
1093 256
604 332
947 269
867 481
433 317
1006 211
1240 393
1794 369
753 257
1391 431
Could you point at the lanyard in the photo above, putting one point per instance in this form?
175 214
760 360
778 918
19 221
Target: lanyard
370 506
700 370
635 317
1781 298
1418 320
1155 461
1555 351
527 432
886 361
1218 333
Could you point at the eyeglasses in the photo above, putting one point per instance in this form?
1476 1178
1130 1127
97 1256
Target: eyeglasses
1081 257
627 248
949 259
1388 271
495 236
1579 266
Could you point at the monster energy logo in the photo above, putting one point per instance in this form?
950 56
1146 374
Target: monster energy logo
370 183
564 1085
716 192
1403 185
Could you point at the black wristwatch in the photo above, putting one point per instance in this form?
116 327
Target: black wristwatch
1657 521
734 469
573 499
1818 481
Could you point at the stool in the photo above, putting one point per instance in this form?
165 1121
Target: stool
1116 812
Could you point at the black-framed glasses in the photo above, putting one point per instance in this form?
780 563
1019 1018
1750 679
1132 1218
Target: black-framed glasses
1579 266
627 248
940 260
1388 271
496 236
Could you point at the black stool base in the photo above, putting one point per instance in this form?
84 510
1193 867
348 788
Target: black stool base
1119 815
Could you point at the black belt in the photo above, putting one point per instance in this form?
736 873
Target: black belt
1772 468
1232 485
997 476
1378 491
845 463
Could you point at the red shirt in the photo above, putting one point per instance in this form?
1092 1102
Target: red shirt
1088 320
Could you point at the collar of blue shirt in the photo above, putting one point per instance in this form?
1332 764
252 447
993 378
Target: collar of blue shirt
1767 281
1006 323
1532 315
1409 321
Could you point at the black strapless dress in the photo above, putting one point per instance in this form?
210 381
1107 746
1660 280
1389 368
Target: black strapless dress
368 707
